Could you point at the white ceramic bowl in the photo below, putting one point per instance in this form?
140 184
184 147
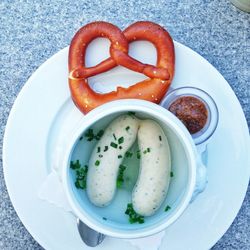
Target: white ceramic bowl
184 161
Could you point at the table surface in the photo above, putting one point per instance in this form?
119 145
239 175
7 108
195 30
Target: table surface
32 31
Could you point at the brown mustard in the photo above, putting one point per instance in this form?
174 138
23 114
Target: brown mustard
191 111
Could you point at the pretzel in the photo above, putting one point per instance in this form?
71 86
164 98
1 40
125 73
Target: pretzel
151 89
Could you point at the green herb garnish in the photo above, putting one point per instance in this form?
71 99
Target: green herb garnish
128 154
167 208
131 113
133 216
99 134
91 136
120 147
119 156
100 155
114 145
80 138
120 179
75 165
105 148
138 154
78 185
127 128
121 140
81 174
160 138
98 149
114 137
171 174
97 162
146 151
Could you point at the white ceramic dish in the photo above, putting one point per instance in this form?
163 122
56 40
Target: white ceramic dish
42 113
184 159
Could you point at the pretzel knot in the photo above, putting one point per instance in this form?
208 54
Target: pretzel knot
151 89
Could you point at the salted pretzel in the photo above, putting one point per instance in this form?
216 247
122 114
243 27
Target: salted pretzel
151 89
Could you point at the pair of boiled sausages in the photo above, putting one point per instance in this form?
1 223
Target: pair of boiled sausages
155 164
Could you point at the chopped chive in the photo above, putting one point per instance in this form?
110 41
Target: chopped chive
127 128
98 149
120 147
171 174
121 140
75 165
129 206
167 208
160 138
119 183
77 184
114 145
122 167
141 220
80 138
81 174
120 179
131 220
133 216
80 184
128 154
106 148
99 134
114 137
90 132
119 156
138 154
100 155
90 135
104 218
146 151
97 162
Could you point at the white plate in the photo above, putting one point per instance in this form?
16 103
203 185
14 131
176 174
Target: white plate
44 111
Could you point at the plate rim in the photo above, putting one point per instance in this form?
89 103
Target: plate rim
22 92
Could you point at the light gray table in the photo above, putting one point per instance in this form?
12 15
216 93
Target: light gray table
32 31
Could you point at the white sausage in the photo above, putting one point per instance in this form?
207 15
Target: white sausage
155 166
101 179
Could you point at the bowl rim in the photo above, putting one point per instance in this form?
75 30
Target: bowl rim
164 116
